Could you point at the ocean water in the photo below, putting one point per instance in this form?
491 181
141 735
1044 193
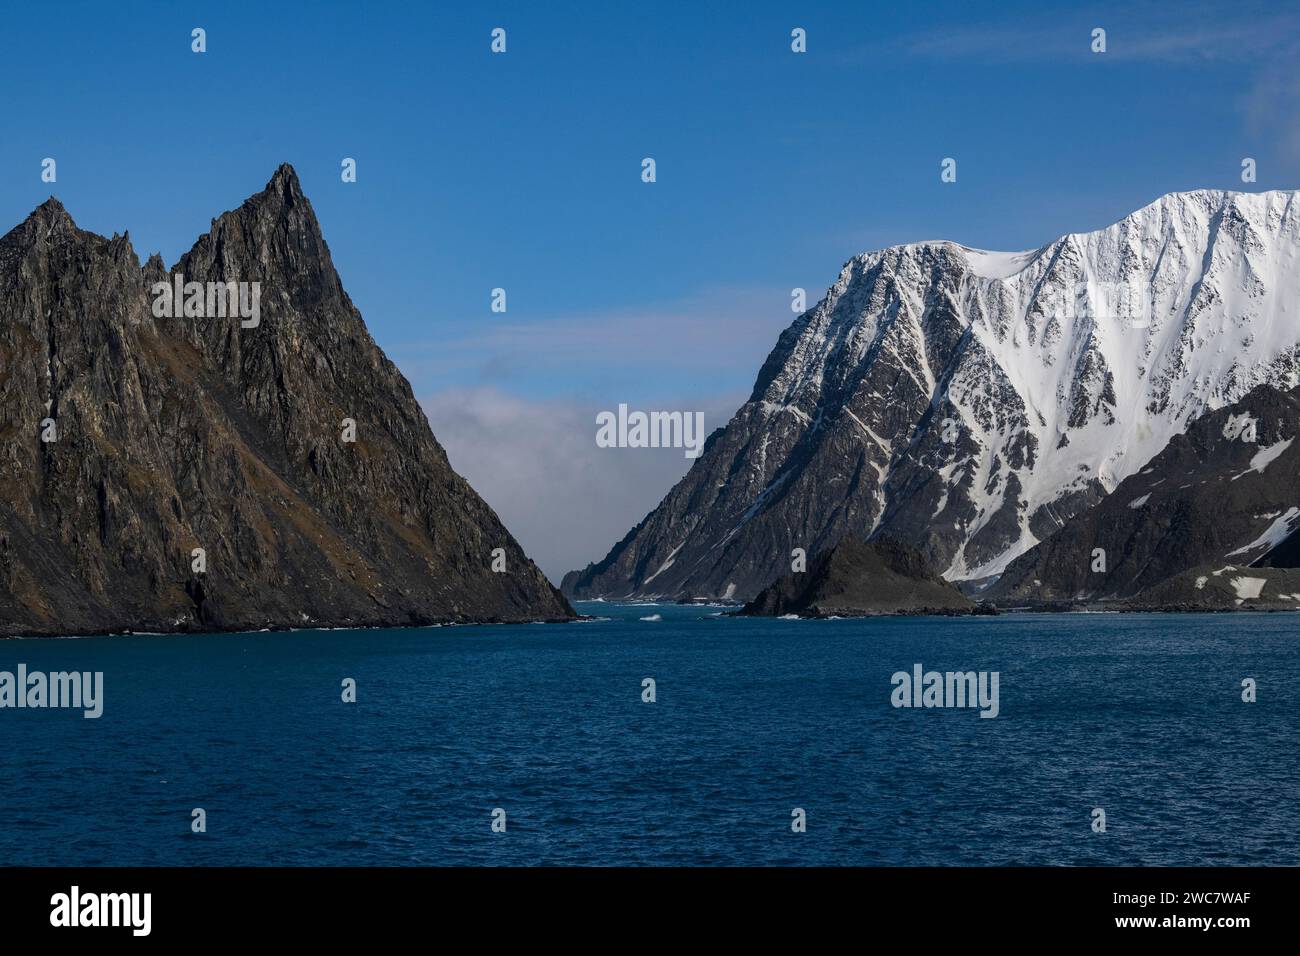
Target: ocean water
1139 715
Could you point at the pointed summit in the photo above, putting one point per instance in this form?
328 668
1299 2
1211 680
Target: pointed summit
52 209
273 237
154 270
46 219
283 190
285 178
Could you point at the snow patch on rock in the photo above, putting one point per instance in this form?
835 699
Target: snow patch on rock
1247 588
1273 535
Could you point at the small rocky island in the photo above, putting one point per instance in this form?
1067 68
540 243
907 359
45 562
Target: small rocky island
858 578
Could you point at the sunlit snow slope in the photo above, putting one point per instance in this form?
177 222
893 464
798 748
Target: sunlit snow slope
968 402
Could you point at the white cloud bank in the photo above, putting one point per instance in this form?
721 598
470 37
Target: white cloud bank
565 499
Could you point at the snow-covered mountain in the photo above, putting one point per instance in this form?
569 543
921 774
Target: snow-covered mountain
970 402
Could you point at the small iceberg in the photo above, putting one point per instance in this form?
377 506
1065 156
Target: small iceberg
653 617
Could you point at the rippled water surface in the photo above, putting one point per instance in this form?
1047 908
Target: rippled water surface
1139 715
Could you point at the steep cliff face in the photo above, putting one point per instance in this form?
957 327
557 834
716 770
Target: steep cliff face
167 434
970 403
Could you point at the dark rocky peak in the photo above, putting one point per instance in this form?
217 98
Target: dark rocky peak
51 226
273 247
278 219
274 239
47 223
52 216
289 450
120 249
74 285
283 184
154 269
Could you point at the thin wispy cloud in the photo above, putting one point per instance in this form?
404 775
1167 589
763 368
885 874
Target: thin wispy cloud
1175 35
722 332
1272 104
1254 38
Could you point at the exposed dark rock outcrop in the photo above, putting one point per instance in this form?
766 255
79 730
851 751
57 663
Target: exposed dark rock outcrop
1226 587
173 434
1226 493
856 578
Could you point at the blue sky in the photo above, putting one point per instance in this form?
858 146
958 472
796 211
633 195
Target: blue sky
522 171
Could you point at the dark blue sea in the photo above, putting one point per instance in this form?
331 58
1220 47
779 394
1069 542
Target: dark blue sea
1139 715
